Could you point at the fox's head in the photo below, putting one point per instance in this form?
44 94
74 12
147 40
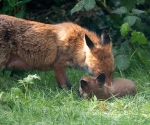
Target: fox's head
90 86
99 56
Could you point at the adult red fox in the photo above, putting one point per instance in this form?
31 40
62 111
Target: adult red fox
32 45
90 86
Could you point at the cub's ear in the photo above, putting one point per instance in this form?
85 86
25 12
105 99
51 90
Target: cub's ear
89 43
105 38
84 86
101 79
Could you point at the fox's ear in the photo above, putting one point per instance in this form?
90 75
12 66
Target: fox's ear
89 43
105 38
101 79
84 86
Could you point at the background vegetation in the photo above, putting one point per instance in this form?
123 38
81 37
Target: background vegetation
35 99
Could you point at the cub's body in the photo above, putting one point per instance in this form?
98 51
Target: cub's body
32 45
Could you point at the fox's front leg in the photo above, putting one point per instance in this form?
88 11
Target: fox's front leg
61 77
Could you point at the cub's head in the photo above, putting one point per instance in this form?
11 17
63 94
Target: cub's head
99 56
89 86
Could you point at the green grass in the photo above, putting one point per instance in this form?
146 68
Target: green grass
45 104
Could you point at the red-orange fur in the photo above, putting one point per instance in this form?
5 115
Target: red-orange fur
33 45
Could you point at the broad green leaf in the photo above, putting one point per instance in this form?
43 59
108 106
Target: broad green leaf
115 52
130 19
12 3
89 4
125 28
137 12
142 40
138 37
124 47
135 36
77 7
120 10
122 62
129 4
138 24
20 14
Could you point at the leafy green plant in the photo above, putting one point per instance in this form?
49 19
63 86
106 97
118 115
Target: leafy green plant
14 7
26 82
83 4
133 34
129 21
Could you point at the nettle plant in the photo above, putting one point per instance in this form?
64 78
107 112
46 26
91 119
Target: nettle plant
25 82
131 22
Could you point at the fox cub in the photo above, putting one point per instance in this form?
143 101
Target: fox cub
90 86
